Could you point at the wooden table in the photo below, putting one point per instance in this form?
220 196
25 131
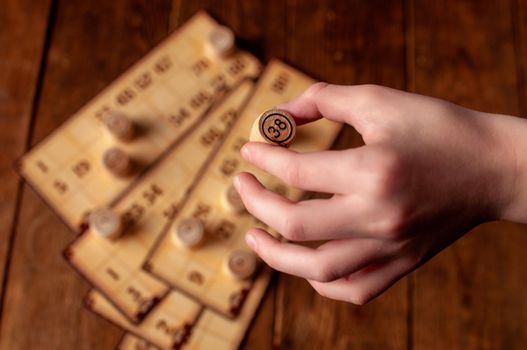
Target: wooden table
56 55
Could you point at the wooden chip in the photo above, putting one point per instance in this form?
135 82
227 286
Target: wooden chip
106 222
241 264
221 41
120 126
117 162
274 126
189 233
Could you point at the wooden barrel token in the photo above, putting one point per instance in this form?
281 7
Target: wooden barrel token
189 233
117 162
240 264
120 126
274 126
106 223
232 200
221 41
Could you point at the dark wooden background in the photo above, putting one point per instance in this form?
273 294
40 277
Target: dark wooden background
56 55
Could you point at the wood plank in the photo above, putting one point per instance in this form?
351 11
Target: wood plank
258 28
519 9
92 43
20 61
345 57
344 42
66 166
472 295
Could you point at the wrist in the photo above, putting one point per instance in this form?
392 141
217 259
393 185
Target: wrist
512 133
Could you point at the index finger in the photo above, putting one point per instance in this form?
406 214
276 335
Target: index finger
357 105
324 171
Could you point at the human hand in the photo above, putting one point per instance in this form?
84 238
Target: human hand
429 172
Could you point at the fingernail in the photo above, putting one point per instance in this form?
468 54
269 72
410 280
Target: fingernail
246 153
251 242
236 183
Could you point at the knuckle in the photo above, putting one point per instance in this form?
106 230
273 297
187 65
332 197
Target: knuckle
321 291
376 95
395 224
323 272
315 88
373 94
360 297
390 162
293 229
401 247
388 172
388 190
292 172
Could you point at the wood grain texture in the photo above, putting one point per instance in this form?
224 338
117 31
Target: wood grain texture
471 296
470 52
323 41
20 65
259 28
519 11
347 43
92 43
